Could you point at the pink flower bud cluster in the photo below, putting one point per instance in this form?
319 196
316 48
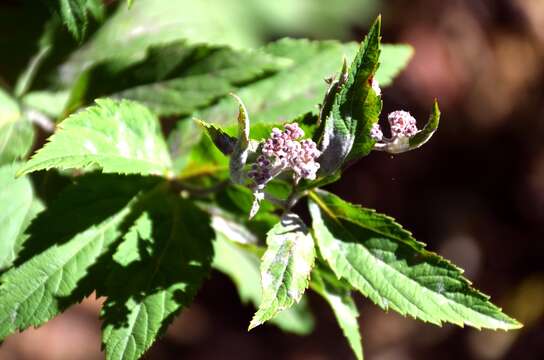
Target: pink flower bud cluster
403 126
402 123
376 132
284 151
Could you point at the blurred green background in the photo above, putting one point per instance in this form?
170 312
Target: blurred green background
475 193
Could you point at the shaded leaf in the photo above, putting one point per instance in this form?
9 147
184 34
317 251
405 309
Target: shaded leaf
223 141
291 92
63 243
114 136
343 306
174 78
128 34
158 268
383 261
75 14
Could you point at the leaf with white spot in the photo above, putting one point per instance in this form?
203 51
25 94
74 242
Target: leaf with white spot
338 295
114 136
384 262
241 264
285 267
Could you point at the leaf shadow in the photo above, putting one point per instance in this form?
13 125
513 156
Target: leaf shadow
91 200
165 265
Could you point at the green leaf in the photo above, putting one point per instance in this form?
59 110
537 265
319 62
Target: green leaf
384 262
339 298
242 266
54 268
75 14
285 267
393 59
239 154
19 206
16 132
50 103
346 129
158 269
175 78
428 131
114 136
223 141
289 93
128 34
9 110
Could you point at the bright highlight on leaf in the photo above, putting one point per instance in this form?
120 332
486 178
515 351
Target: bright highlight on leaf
113 136
142 222
382 260
285 267
19 206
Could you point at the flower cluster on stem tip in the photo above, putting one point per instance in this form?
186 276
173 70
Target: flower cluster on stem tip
282 151
403 126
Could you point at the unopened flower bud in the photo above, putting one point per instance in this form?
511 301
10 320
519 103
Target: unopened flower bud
402 124
376 132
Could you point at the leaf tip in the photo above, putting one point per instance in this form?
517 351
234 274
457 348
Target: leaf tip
253 324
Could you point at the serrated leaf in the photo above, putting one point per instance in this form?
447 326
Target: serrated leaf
346 130
53 269
174 78
128 33
291 92
158 268
428 131
75 14
242 266
285 267
114 136
343 306
384 262
19 206
239 154
223 141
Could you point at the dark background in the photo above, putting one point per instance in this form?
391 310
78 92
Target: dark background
475 194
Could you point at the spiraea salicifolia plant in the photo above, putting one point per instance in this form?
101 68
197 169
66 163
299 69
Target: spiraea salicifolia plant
142 221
